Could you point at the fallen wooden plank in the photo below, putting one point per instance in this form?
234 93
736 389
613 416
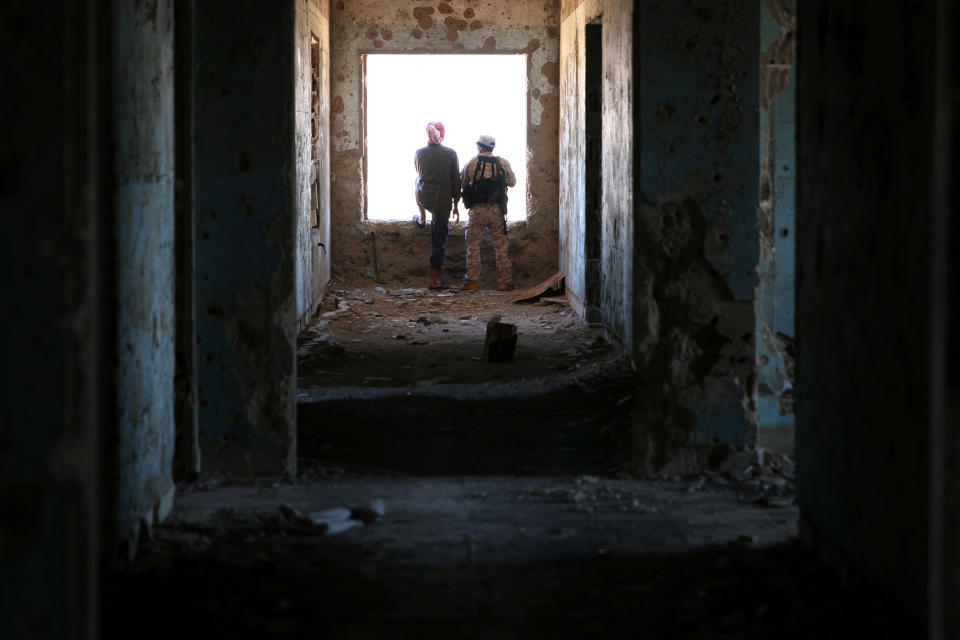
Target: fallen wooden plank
553 284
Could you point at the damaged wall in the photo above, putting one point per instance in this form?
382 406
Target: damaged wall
398 251
313 185
51 319
680 249
140 460
865 90
247 209
776 224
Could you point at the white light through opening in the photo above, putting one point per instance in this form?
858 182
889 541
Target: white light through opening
470 94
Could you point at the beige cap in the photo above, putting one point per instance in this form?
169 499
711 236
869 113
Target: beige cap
487 141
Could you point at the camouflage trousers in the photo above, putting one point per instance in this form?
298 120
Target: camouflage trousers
482 217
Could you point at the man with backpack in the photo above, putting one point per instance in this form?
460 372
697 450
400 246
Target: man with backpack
484 181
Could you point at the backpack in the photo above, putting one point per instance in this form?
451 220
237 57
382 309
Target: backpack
486 190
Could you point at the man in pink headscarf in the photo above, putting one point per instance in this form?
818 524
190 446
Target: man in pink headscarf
438 186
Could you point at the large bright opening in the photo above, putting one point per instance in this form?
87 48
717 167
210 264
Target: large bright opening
471 94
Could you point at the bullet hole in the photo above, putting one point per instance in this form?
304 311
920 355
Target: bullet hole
213 215
667 110
378 44
205 277
700 118
242 162
371 33
691 43
668 149
214 311
387 34
443 7
204 235
209 357
785 168
469 13
717 177
784 232
746 337
715 98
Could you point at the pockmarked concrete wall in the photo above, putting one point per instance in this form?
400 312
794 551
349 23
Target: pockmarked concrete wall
313 230
865 90
399 251
50 321
775 336
680 193
143 266
248 216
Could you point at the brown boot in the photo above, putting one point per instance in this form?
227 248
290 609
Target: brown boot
468 286
434 282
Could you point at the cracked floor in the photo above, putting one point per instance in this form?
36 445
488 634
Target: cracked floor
502 502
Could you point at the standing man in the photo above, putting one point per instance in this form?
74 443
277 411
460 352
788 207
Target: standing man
485 179
438 186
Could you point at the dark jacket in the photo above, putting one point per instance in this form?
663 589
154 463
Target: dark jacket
438 177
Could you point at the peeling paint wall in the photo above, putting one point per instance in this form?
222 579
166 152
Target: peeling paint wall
697 223
775 335
143 192
573 143
313 231
680 193
393 251
865 90
248 201
50 320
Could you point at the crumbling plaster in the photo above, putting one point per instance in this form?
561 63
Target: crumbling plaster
313 235
401 250
141 459
248 217
679 233
774 294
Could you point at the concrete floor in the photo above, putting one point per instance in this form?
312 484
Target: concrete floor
493 502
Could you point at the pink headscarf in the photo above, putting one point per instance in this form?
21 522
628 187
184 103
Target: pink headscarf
435 132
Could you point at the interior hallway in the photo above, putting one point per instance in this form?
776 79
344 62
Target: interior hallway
752 203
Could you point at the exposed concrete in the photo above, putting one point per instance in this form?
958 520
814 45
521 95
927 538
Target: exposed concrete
249 210
313 196
774 296
679 248
447 27
865 96
140 461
